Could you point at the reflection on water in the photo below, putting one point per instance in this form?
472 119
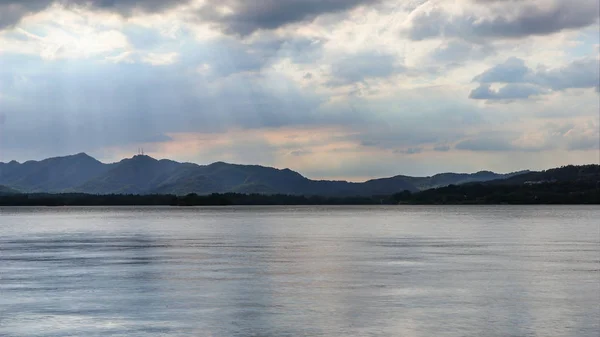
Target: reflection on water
389 271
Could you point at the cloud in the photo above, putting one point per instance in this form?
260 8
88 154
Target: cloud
410 150
300 153
501 19
421 122
523 82
238 17
485 143
570 136
505 141
510 91
513 70
459 51
299 49
583 73
576 137
12 11
74 106
365 65
243 17
160 59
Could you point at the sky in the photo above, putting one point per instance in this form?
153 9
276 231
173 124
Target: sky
334 89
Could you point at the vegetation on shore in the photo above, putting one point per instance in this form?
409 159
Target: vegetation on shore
545 193
565 185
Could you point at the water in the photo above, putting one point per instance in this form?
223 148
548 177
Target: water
300 271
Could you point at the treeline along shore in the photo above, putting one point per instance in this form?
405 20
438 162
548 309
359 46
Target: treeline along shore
469 194
564 185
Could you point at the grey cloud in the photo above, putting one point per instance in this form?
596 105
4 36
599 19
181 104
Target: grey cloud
94 105
301 50
459 51
523 82
228 56
510 91
488 144
300 153
249 16
365 65
552 136
126 6
500 141
11 11
411 150
442 148
418 125
245 17
589 142
574 137
583 73
513 70
80 105
516 19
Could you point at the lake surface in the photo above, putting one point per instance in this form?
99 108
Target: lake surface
300 271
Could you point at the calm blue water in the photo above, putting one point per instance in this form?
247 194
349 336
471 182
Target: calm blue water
300 271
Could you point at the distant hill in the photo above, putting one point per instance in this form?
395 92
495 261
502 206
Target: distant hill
7 191
145 175
138 175
445 179
51 175
563 185
570 173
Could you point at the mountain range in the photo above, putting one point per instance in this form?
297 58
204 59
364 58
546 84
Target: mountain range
143 174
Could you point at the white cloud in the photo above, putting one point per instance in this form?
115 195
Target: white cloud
160 59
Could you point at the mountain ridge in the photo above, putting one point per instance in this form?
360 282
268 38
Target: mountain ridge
142 174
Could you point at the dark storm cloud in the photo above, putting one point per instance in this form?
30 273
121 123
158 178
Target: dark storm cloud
515 19
244 17
247 17
11 11
523 82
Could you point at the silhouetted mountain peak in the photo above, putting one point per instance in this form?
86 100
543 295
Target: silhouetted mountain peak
292 172
83 155
140 159
220 164
56 174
